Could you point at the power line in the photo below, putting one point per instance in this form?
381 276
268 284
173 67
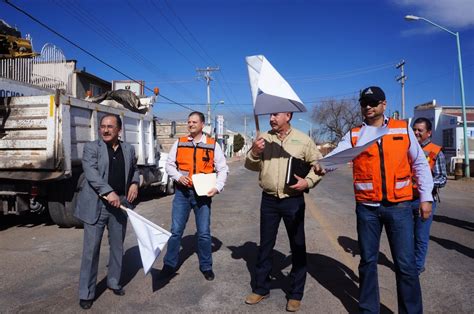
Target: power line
108 34
87 52
103 31
189 32
204 104
159 33
204 50
177 31
344 74
151 26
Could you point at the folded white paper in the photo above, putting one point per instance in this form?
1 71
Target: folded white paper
367 136
204 182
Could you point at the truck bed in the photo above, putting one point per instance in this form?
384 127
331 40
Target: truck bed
43 137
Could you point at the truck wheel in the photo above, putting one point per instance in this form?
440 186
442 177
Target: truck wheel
62 201
162 189
170 187
62 214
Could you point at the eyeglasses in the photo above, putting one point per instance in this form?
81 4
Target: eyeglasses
372 104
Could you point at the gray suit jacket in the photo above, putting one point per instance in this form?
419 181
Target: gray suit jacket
95 163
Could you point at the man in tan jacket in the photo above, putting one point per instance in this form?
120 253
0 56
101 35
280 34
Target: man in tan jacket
269 155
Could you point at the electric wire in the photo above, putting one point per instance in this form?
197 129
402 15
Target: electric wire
176 30
202 48
88 53
159 33
103 31
170 44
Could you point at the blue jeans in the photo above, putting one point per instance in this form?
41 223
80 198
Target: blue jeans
422 234
398 221
272 210
184 200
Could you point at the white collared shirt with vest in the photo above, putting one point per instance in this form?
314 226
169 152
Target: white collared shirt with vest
414 153
210 157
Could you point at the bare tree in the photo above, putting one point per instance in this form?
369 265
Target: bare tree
336 117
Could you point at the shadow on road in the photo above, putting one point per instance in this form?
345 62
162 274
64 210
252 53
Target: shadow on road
131 265
150 193
351 246
334 276
455 222
27 220
451 245
338 279
248 252
188 248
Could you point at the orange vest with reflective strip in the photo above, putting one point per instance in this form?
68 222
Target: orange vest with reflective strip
431 153
192 159
382 172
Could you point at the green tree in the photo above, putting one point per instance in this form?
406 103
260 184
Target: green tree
239 142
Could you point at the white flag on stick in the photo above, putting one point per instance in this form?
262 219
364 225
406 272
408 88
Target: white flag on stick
270 92
151 238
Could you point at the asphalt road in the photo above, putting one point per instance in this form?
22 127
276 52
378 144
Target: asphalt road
40 262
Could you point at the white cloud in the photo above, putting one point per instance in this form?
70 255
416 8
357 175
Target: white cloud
449 13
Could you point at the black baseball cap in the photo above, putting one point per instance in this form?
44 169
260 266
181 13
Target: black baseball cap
372 94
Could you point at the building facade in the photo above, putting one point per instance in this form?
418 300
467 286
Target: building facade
448 130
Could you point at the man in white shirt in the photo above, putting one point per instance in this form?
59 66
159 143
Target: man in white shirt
193 154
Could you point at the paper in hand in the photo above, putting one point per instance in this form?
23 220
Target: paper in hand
367 136
204 182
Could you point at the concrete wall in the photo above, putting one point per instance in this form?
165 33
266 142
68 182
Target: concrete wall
164 136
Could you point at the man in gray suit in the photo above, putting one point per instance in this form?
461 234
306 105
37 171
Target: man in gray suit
110 171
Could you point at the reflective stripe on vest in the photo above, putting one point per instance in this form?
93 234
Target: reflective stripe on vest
382 172
192 159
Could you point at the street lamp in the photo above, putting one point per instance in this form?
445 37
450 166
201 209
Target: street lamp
461 80
310 127
209 117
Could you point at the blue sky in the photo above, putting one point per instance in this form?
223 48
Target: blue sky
325 49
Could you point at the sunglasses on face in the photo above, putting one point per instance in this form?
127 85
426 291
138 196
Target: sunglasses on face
372 104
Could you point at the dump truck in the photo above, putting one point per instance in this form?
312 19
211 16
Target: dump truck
41 146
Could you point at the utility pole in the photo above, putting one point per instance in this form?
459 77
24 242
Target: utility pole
402 79
206 74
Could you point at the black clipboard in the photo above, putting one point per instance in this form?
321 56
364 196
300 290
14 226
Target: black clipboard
296 166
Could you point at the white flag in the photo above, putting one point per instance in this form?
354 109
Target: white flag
151 239
271 93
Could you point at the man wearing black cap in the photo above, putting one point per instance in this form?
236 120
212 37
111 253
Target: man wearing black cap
383 192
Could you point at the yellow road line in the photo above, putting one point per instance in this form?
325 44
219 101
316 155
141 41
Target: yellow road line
329 232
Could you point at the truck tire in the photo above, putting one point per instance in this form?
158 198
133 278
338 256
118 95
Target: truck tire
62 200
170 187
162 189
62 214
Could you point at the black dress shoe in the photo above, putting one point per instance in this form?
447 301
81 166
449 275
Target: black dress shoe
120 291
209 275
85 304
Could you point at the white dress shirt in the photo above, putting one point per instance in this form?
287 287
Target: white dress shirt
219 162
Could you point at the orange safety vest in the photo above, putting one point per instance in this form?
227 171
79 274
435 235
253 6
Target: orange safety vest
192 159
431 152
382 172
